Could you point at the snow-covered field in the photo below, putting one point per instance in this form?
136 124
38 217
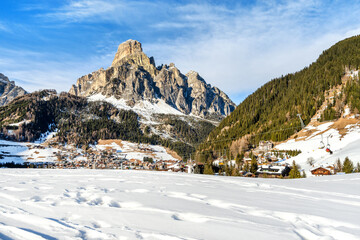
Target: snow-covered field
19 152
109 204
136 151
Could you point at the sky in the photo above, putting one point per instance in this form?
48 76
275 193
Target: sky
236 46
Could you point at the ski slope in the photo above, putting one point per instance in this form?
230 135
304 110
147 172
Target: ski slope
347 145
109 204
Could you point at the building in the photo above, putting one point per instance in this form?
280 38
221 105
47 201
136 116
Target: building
265 146
321 171
247 160
273 171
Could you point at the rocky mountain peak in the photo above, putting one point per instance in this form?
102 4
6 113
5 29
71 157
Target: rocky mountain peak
126 49
4 79
8 90
134 77
193 77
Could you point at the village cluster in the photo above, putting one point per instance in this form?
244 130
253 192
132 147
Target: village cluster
103 157
116 154
270 162
273 164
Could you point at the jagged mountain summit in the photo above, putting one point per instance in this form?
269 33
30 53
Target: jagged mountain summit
8 90
134 79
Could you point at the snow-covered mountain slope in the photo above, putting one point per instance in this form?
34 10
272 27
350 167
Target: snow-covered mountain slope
129 150
8 90
343 137
144 108
107 204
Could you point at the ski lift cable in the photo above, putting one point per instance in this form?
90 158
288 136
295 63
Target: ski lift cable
258 134
278 130
314 138
252 135
281 129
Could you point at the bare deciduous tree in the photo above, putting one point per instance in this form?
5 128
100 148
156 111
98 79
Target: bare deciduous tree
310 161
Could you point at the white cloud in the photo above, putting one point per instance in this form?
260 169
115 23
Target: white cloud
114 11
80 10
238 51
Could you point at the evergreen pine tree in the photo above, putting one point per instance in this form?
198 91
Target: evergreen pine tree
208 169
239 158
348 166
229 169
294 172
246 167
253 166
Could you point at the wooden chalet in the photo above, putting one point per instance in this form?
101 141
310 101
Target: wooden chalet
320 171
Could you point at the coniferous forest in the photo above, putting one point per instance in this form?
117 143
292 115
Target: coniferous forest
270 113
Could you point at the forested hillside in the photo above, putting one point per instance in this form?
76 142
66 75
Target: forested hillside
81 123
270 113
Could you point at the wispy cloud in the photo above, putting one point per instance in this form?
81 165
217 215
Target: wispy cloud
4 28
84 9
239 50
115 11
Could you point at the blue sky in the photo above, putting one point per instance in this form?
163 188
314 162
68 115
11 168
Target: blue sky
235 45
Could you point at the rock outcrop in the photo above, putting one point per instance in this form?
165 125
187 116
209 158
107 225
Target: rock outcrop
133 76
8 90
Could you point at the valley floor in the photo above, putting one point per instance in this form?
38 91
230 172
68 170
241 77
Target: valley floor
113 204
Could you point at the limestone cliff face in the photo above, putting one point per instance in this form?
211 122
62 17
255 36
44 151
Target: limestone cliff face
133 76
8 90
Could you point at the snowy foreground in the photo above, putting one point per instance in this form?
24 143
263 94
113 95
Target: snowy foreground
109 204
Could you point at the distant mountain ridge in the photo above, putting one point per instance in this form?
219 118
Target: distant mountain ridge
8 90
134 77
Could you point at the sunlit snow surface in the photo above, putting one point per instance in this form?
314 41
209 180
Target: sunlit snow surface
342 146
19 152
109 204
142 107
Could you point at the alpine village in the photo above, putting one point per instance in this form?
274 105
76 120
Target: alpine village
179 120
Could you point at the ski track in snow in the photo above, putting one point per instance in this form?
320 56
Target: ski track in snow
109 204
